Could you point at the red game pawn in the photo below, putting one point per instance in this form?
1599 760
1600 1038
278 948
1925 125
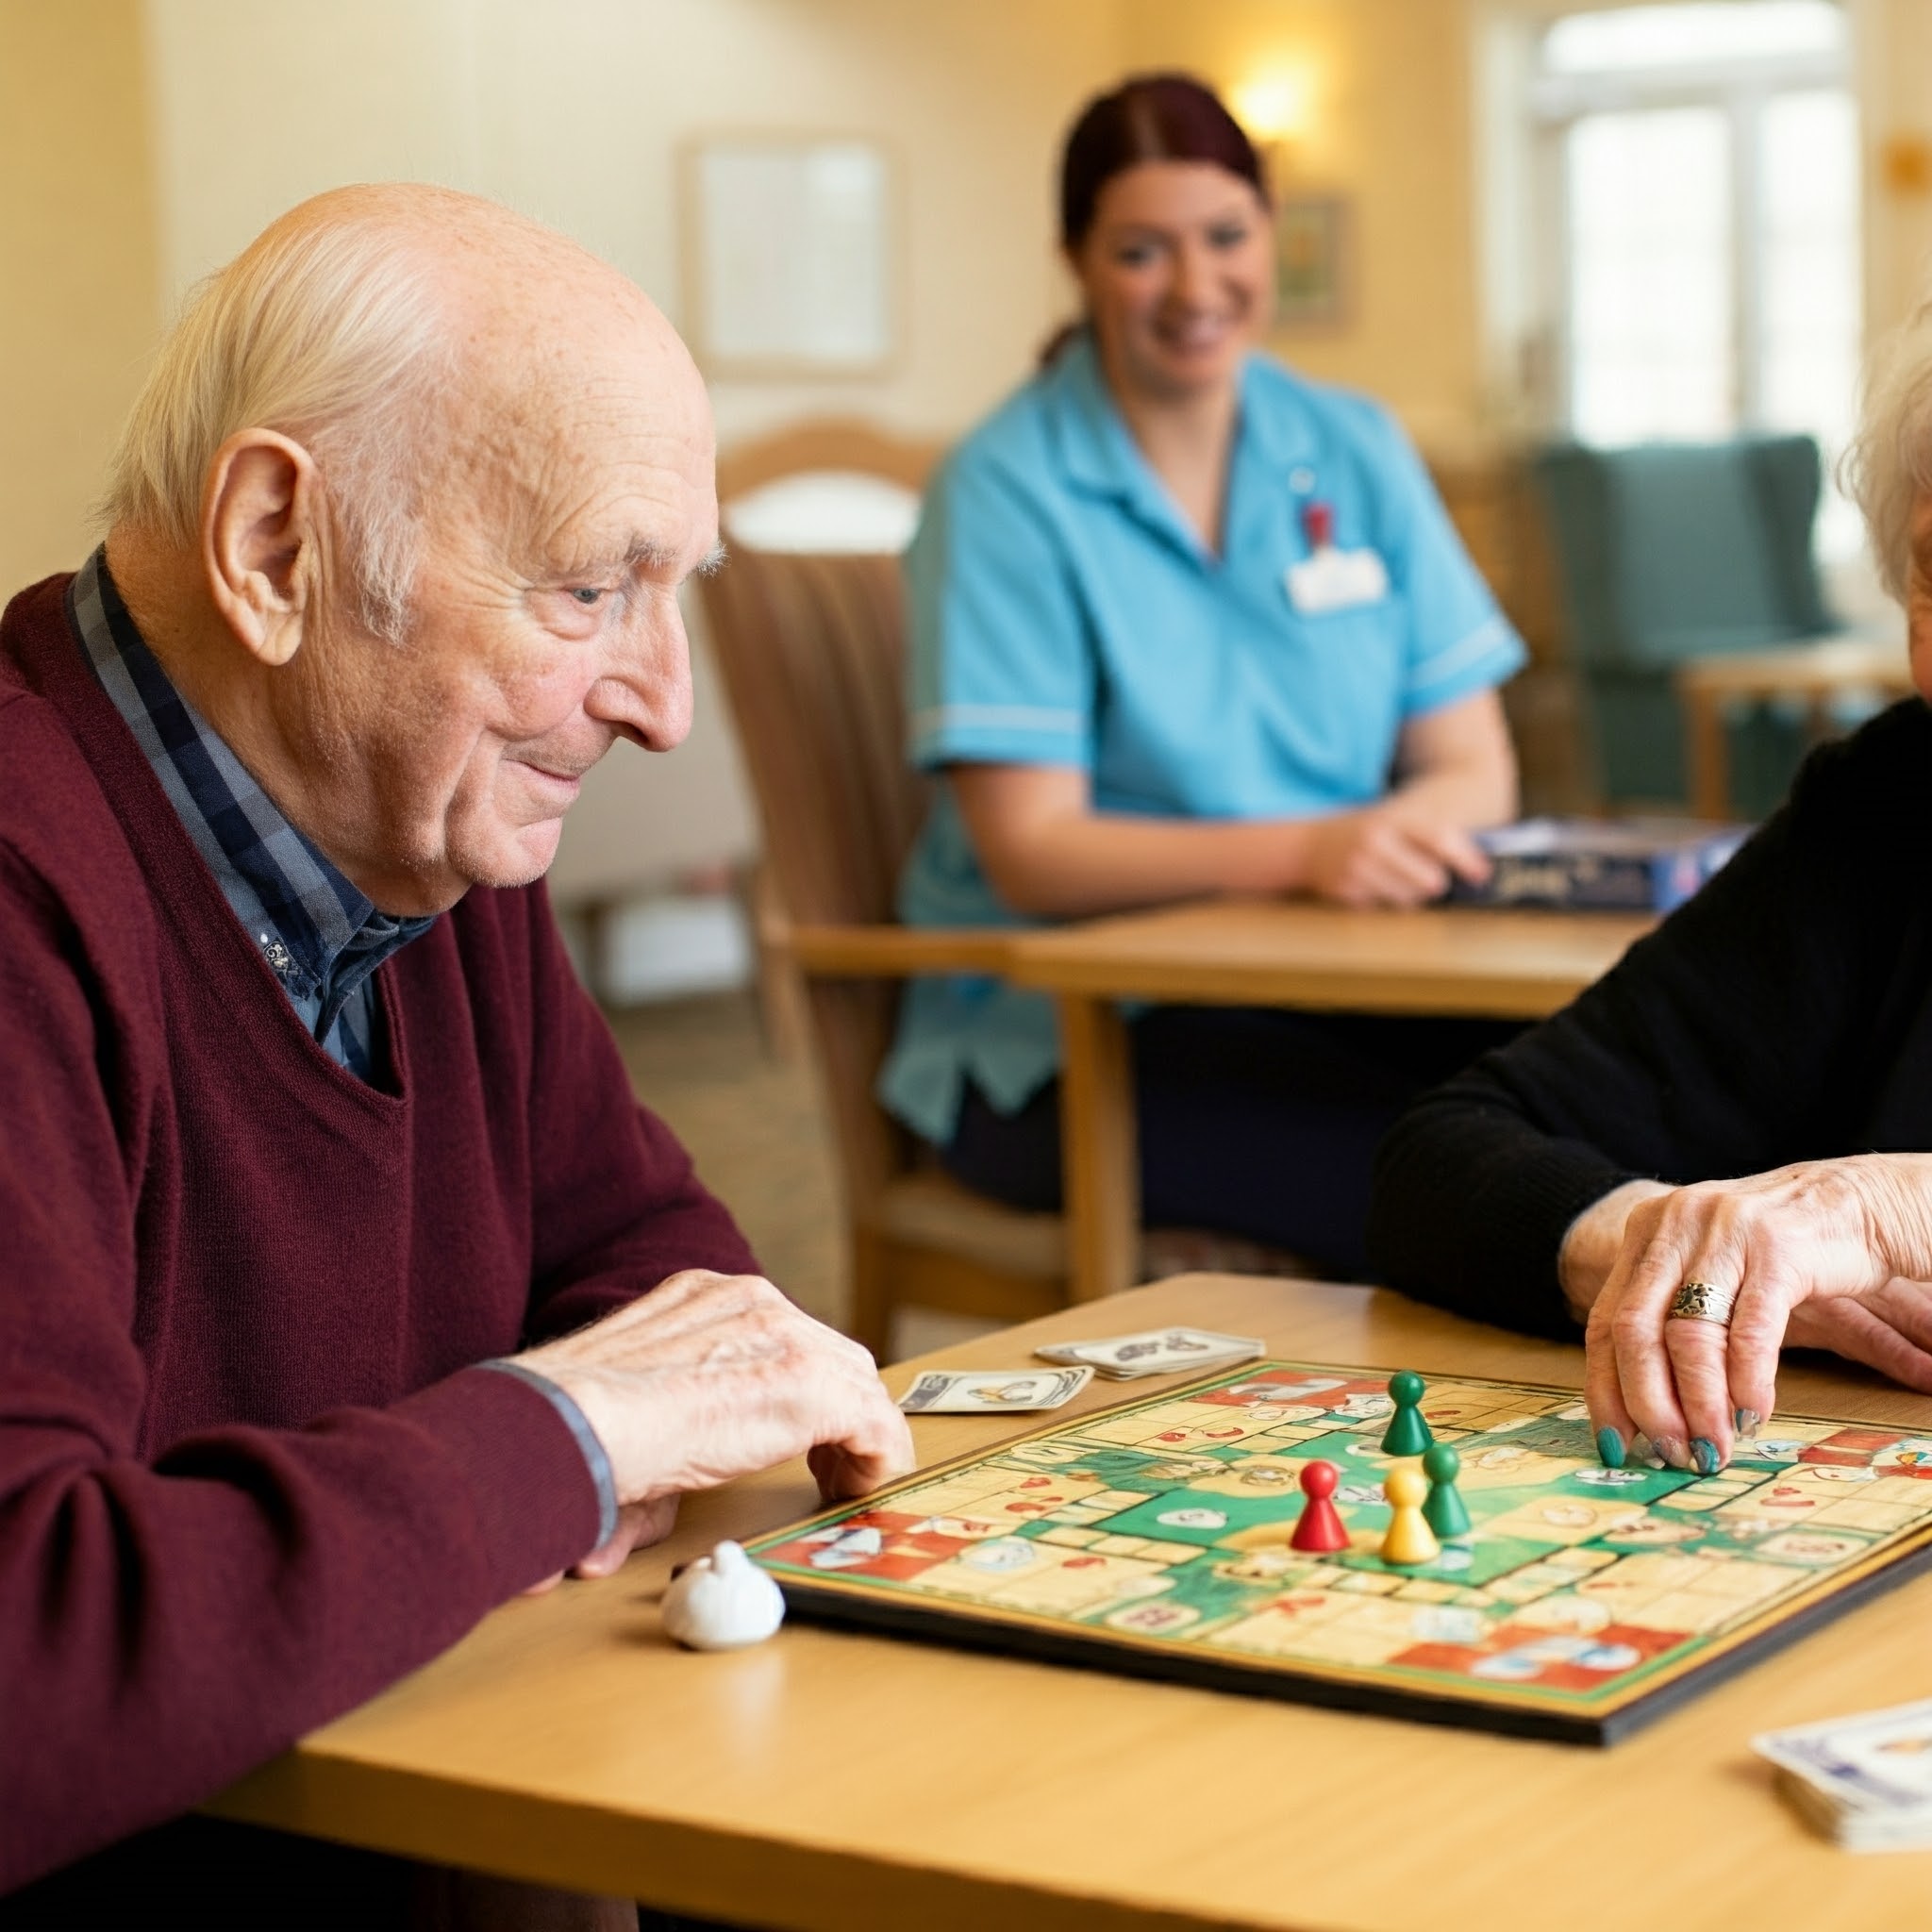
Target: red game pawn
1320 1526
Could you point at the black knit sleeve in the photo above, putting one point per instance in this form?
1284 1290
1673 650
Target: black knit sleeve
1751 1029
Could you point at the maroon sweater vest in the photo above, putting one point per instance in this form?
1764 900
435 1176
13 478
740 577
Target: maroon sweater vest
246 1477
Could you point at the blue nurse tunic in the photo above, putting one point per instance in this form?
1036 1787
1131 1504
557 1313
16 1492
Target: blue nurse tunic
1064 613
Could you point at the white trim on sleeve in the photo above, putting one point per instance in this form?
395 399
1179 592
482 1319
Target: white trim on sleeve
1488 636
941 718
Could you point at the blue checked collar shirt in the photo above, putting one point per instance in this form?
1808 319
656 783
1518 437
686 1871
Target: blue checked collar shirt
322 938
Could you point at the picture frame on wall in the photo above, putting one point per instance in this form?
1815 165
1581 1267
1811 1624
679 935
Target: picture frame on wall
1312 264
790 254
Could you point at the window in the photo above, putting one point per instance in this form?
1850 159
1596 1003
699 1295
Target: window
1700 260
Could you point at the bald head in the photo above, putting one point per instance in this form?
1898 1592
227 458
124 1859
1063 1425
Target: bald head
362 323
404 416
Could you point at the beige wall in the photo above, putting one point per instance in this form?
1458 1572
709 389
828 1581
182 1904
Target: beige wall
1895 80
1388 124
77 235
575 111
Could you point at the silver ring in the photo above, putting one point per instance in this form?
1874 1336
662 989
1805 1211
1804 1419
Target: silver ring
1701 1301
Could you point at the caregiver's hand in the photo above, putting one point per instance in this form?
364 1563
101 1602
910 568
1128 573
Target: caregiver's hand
1396 852
1821 1254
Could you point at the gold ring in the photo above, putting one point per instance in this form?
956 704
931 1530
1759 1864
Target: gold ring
1700 1301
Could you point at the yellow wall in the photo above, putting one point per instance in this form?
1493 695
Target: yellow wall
77 235
1388 125
1895 81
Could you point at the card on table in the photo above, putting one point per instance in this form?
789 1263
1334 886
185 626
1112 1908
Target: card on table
979 1392
1879 1759
1865 1781
1155 1352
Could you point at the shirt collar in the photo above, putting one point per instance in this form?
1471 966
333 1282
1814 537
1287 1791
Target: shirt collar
310 925
1098 452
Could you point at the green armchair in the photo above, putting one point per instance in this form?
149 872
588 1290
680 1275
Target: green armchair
1670 552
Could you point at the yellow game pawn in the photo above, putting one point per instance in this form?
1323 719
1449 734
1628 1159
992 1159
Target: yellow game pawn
1410 1538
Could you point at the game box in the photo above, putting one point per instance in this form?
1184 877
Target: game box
1607 865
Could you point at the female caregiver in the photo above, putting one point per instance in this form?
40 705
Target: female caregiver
1184 623
1722 1148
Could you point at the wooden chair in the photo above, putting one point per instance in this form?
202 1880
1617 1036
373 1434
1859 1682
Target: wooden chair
809 647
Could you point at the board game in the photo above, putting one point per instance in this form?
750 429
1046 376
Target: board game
1152 1538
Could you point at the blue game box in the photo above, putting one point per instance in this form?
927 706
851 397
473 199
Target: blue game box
1610 865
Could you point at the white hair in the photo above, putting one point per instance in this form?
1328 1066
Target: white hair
1890 460
330 334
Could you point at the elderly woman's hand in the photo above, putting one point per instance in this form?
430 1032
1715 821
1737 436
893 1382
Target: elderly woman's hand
1823 1253
1889 1329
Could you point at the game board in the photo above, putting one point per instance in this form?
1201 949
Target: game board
1151 1539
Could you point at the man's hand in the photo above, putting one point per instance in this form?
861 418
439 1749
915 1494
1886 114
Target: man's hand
639 1526
1391 854
711 1376
1820 1253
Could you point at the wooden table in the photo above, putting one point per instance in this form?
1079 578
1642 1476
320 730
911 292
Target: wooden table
1465 960
836 1782
1812 674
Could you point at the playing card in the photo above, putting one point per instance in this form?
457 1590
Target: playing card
952 1392
1155 1352
1879 1760
1853 1826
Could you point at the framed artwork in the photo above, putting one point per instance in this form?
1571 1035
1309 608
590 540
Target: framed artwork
789 256
1311 261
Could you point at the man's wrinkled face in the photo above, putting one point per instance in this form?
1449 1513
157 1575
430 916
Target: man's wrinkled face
545 626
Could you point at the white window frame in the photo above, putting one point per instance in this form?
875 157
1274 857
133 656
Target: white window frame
1739 90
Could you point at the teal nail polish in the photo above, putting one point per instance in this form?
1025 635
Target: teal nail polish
1610 1448
1747 1421
1704 1453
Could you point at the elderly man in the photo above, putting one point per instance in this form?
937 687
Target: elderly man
345 1292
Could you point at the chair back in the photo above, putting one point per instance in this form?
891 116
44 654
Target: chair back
1672 551
810 649
811 645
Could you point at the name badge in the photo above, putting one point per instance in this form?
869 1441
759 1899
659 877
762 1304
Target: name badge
1334 579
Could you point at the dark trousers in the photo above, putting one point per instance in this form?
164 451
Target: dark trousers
1253 1121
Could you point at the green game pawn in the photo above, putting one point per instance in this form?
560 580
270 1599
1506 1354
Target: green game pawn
1408 1434
1443 1510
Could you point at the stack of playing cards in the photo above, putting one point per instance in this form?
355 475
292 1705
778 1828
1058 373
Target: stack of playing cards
1865 1782
1158 1352
991 1391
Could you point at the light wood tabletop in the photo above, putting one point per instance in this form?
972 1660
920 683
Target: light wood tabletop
1813 674
1469 960
837 1782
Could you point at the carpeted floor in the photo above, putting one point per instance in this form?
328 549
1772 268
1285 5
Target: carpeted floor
753 1126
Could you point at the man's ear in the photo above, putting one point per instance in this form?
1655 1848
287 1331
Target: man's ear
260 541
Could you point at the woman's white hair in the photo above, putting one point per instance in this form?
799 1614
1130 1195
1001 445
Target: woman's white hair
1890 460
330 334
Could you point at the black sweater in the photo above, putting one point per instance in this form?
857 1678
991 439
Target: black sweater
1784 1014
